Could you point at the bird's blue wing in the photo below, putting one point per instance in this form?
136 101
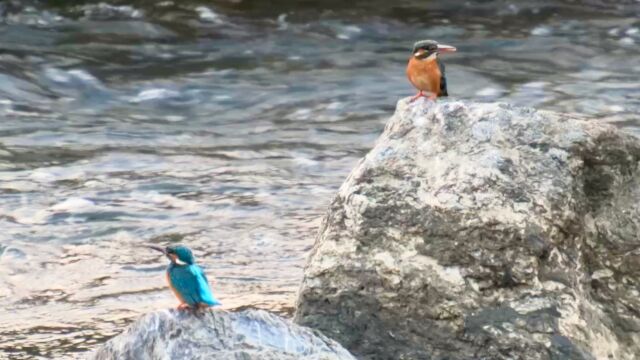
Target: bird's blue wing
205 294
185 283
191 282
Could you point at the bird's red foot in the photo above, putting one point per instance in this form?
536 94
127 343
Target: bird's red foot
419 94
183 306
431 96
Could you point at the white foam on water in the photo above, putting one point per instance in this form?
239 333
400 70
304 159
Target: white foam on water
73 204
208 15
154 94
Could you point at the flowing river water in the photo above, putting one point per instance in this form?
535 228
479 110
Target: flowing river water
228 126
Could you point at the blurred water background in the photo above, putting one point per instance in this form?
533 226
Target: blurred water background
228 126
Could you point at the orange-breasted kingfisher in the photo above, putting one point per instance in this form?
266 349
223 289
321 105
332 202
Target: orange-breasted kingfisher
186 279
425 70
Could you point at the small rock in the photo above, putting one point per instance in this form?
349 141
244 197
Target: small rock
221 335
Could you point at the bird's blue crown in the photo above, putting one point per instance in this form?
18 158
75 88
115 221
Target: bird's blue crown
182 252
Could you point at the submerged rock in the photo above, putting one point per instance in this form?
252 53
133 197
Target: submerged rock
483 231
245 335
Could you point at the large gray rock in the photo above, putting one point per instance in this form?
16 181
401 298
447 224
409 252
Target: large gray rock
483 231
245 335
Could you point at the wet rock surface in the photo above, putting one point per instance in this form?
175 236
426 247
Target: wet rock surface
246 335
483 231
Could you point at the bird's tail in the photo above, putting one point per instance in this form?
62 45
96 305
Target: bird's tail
213 302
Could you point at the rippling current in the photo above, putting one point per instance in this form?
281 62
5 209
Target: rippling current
228 126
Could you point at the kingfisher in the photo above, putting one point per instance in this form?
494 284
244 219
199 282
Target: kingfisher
186 279
425 70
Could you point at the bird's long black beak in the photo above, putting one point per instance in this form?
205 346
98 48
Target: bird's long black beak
158 248
446 48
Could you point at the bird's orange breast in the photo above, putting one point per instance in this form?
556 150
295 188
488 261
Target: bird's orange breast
424 74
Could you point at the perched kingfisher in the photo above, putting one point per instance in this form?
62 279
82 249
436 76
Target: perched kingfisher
425 70
186 279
